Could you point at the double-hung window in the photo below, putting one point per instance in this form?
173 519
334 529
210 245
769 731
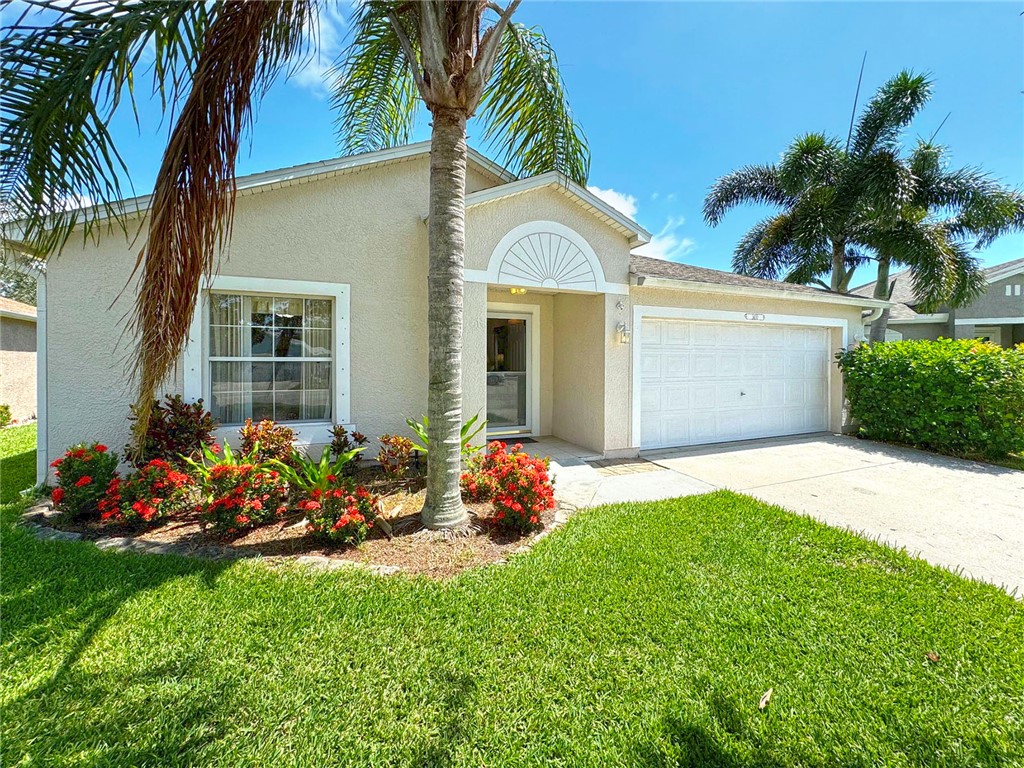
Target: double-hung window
270 356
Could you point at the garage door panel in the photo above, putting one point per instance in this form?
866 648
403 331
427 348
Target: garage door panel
713 382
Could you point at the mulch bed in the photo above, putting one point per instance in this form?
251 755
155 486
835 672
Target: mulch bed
410 548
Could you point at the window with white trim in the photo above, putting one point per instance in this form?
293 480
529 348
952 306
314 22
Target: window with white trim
270 357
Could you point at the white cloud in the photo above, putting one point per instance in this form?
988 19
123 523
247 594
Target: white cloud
668 243
326 41
617 200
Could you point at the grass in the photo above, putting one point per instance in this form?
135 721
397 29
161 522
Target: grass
17 461
638 635
1013 461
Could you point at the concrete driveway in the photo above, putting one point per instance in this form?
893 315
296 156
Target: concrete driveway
954 513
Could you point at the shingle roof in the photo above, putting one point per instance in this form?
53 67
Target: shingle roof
645 266
902 293
16 307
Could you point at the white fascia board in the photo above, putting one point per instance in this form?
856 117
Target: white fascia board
938 317
1001 273
988 321
17 314
638 235
824 297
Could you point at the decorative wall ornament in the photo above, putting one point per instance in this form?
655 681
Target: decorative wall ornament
545 254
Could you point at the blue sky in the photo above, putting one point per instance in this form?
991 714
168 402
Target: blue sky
673 95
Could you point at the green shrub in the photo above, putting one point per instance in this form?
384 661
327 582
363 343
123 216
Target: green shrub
964 397
5 415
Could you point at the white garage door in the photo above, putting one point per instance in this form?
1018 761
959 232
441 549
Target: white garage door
712 382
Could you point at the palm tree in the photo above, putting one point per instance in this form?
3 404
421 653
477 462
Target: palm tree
62 80
846 205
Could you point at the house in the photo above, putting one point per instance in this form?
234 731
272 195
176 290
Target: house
997 315
317 315
18 358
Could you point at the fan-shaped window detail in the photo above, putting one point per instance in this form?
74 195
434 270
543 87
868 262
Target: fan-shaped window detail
546 254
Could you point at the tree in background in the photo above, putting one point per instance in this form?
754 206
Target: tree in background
62 80
845 205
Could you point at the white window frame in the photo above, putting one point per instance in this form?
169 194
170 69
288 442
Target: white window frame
195 360
531 313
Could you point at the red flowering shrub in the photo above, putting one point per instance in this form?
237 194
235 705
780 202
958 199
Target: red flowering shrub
266 441
176 429
339 514
237 497
477 482
520 486
157 490
83 474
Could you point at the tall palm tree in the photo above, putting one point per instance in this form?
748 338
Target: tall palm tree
213 62
844 205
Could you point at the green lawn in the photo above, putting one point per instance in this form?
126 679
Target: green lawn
17 461
639 635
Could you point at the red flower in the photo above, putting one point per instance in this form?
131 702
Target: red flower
57 495
83 481
100 448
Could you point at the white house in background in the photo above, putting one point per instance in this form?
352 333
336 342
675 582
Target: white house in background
317 316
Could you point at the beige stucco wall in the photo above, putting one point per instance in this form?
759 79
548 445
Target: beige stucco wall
487 223
18 367
578 370
365 229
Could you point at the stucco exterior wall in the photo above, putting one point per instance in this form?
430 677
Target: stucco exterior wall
363 228
579 358
926 331
366 229
995 303
18 367
486 224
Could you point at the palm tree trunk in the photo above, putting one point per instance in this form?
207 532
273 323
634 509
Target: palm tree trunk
879 326
838 265
447 253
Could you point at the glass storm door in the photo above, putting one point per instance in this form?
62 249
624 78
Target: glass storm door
508 373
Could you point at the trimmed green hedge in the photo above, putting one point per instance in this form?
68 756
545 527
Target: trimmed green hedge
964 397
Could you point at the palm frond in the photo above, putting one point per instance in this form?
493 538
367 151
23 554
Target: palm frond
889 112
942 269
62 81
525 110
811 160
767 250
193 202
759 184
373 90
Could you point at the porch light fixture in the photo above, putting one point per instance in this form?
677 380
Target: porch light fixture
624 334
517 291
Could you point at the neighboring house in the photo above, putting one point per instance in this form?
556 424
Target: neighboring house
318 316
18 358
997 315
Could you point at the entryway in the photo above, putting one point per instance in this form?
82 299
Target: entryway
511 367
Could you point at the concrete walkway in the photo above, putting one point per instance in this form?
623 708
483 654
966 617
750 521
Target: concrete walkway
954 513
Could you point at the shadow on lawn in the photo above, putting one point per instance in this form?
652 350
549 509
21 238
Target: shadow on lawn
731 742
60 595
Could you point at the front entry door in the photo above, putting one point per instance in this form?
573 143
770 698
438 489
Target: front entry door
508 373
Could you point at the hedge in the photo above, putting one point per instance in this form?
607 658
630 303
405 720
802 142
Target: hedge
964 398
